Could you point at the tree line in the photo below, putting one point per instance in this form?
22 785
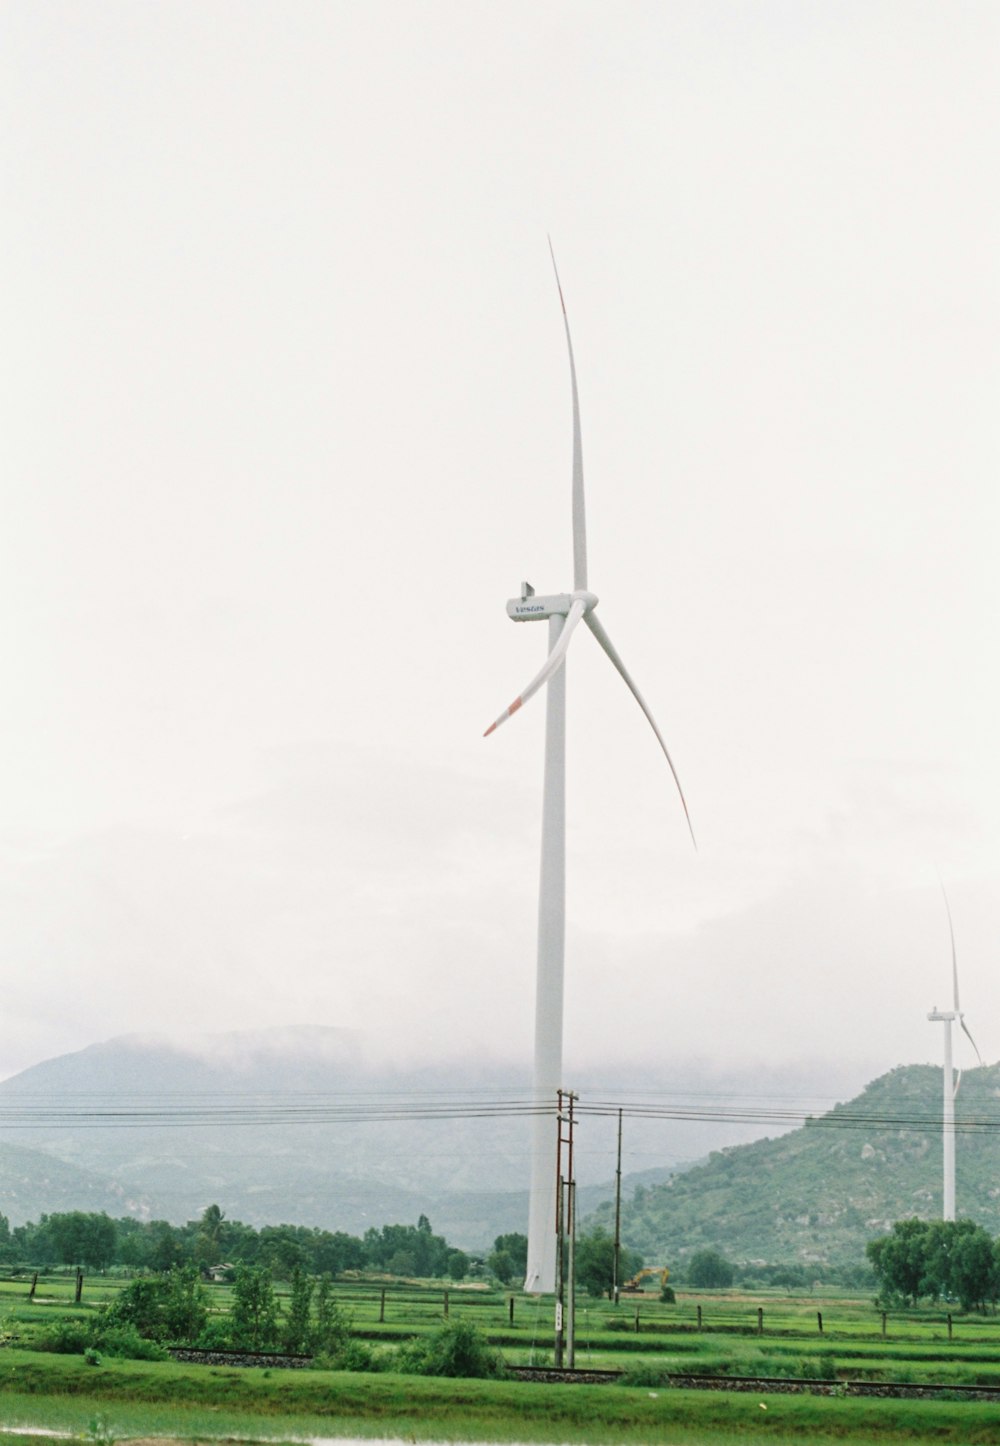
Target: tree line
98 1242
936 1260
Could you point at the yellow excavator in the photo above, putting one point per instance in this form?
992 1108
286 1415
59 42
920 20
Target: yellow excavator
634 1286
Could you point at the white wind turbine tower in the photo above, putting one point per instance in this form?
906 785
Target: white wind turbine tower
951 1082
563 611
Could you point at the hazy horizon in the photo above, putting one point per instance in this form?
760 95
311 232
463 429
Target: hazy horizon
288 420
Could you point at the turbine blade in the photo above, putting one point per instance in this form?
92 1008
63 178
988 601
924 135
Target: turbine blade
598 631
961 1020
954 976
579 515
954 957
552 662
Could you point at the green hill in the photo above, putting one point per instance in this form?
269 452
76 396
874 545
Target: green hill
33 1183
814 1197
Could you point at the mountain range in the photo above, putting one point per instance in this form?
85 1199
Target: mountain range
289 1126
297 1126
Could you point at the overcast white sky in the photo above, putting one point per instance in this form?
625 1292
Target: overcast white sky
286 420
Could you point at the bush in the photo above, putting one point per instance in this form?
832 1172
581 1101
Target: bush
215 1335
457 1349
822 1367
126 1343
255 1310
65 1338
643 1373
139 1304
330 1334
75 1339
826 1367
353 1356
166 1308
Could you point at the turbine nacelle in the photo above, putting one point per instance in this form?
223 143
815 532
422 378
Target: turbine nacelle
939 1016
529 608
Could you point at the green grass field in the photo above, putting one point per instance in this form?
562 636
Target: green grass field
142 1399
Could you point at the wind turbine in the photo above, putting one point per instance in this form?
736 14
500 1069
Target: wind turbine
951 1082
563 612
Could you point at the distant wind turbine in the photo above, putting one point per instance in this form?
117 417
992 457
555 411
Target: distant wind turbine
951 1081
563 611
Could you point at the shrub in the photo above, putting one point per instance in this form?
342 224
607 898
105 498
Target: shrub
215 1335
139 1304
168 1308
255 1309
126 1342
821 1367
331 1331
644 1373
457 1349
826 1367
296 1335
65 1338
352 1356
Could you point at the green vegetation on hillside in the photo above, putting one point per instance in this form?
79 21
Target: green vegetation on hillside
813 1198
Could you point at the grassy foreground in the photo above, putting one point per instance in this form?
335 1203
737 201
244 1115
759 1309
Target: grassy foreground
128 1399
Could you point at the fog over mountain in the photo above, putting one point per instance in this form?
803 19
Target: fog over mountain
299 1126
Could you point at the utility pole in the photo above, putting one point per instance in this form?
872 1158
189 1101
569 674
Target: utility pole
565 1232
616 1277
557 1354
571 1231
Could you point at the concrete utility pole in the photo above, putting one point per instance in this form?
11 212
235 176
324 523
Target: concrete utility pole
565 1233
617 1276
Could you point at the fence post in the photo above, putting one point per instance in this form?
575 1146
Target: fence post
79 1285
949 1325
819 1321
381 1308
699 1317
760 1320
510 1312
34 1282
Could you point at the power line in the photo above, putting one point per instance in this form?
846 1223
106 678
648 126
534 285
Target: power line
207 1110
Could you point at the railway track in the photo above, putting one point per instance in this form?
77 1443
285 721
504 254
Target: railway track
774 1385
687 1381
